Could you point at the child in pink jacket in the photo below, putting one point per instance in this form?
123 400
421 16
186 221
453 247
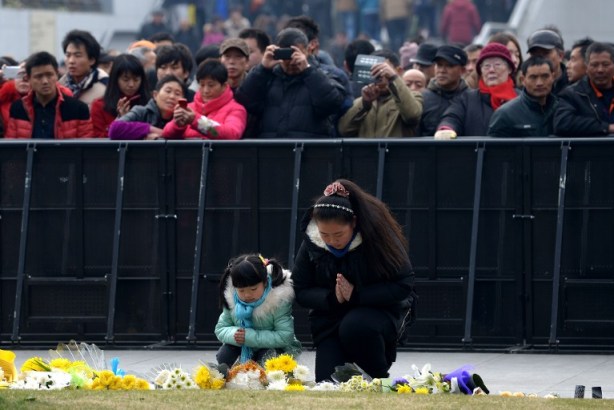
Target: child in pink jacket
216 115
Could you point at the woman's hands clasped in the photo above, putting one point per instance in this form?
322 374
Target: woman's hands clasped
343 289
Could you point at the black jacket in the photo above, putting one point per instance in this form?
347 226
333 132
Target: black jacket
524 117
578 112
435 102
290 106
314 274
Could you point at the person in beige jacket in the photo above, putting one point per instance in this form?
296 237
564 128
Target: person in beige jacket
387 108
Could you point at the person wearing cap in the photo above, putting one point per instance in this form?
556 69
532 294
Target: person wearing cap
448 83
586 108
292 98
387 108
532 113
423 60
235 56
469 114
548 44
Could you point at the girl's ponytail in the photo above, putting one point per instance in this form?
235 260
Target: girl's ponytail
276 271
223 282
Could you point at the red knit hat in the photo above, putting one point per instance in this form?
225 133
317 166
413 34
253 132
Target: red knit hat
494 50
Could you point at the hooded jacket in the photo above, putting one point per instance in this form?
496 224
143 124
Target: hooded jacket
273 321
315 272
224 109
460 22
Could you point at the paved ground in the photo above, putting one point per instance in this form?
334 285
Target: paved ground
529 373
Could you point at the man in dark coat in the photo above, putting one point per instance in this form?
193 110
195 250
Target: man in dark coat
450 64
549 45
532 114
292 98
587 107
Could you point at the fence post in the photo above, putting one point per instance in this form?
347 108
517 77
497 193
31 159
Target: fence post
556 273
381 163
298 156
474 241
119 204
23 241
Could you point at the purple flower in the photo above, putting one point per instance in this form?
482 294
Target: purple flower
399 380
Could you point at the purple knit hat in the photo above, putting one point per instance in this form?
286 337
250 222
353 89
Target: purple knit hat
494 50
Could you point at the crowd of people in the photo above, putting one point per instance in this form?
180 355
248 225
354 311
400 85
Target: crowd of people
247 85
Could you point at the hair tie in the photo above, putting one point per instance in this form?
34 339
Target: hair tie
265 262
343 208
336 188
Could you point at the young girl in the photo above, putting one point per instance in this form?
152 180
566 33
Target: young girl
127 88
256 322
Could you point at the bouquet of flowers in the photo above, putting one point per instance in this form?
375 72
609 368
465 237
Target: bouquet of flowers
360 384
107 380
421 382
172 377
246 376
208 377
284 373
35 380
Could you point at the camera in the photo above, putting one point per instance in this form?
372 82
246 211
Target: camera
283 54
362 68
10 71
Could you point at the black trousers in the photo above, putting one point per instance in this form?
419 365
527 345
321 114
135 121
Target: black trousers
366 336
229 354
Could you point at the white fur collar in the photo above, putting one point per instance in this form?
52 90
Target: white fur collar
314 235
283 293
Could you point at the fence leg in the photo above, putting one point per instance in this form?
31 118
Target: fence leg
556 273
198 243
381 163
23 242
119 204
474 242
298 157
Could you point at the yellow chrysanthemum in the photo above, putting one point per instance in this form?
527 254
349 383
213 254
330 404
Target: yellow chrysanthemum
97 386
422 390
217 384
272 364
203 377
105 378
295 387
36 364
60 364
404 389
129 382
141 384
116 383
287 363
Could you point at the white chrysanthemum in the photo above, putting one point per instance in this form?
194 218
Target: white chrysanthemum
325 386
278 385
301 372
162 377
275 375
169 384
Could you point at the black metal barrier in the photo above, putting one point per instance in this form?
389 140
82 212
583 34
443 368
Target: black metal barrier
512 241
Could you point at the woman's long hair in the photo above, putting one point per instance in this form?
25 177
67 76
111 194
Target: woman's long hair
249 270
125 64
382 237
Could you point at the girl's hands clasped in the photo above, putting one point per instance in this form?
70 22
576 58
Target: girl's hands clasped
343 289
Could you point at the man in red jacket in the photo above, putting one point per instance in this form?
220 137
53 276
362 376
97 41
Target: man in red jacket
45 112
460 22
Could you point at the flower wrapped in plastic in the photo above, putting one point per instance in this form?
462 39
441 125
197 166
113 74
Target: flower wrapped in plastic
207 126
284 373
108 380
7 367
208 377
360 384
39 380
172 377
462 380
246 376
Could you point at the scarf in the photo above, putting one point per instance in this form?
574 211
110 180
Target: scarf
78 88
338 253
499 94
244 311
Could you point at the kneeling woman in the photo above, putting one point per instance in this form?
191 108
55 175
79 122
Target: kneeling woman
353 272
148 121
218 115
